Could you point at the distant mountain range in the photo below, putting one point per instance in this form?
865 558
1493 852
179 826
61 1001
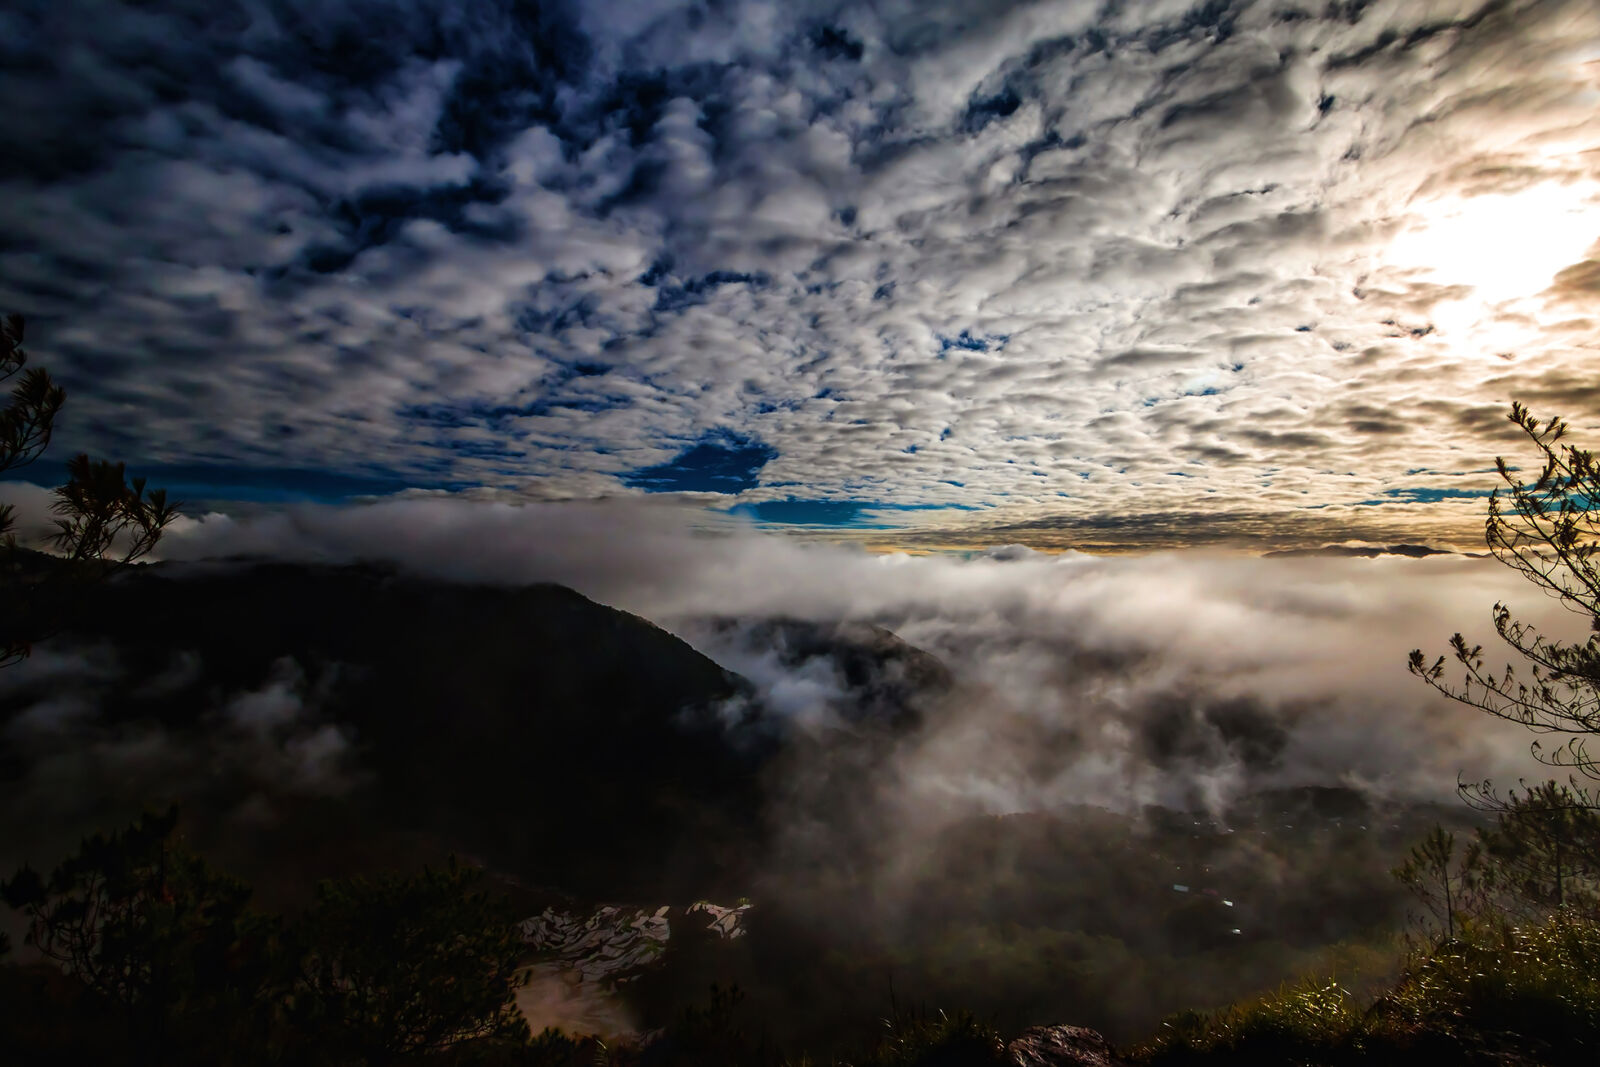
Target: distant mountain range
1414 551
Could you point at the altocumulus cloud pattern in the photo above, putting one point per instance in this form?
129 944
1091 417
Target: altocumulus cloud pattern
1053 266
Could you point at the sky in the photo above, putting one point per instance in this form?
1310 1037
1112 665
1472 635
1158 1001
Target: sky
920 273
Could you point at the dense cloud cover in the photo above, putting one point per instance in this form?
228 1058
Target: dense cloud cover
1174 678
1195 266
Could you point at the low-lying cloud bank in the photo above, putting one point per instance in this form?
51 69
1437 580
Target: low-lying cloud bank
1179 679
1174 677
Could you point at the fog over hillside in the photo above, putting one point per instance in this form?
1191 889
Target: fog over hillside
1001 764
1122 680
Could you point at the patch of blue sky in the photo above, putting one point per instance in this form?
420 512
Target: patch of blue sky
722 461
967 341
983 110
580 313
671 298
1209 390
840 514
1423 495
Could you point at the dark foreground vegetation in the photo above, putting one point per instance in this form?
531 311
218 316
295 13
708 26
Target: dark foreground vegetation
152 956
1500 993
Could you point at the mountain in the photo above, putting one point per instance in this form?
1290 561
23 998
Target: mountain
529 726
314 719
1366 551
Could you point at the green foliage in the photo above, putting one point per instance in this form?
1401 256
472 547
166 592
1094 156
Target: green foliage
161 941
1542 854
1534 984
918 1039
398 966
1544 851
709 1035
1445 882
1497 991
162 953
1312 1022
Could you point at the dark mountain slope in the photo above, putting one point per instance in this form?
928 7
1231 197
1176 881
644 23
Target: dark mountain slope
557 738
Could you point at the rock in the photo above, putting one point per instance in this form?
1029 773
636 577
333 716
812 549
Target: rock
1061 1046
726 923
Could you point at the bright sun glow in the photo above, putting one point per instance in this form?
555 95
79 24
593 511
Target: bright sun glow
1502 245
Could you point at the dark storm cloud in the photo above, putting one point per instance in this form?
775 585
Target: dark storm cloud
1034 256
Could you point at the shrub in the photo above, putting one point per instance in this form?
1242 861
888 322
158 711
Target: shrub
1498 992
1528 987
918 1039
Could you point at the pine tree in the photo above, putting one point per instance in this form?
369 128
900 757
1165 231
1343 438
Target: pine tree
1548 530
103 520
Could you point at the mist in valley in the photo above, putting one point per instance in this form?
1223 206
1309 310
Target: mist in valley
1046 787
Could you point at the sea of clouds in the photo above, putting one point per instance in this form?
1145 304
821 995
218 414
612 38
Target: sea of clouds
1176 677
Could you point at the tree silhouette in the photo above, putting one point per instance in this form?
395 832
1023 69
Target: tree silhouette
164 954
27 421
1548 530
1440 879
400 966
103 521
164 945
1542 854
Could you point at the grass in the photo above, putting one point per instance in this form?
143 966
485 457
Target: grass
920 1039
1501 994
